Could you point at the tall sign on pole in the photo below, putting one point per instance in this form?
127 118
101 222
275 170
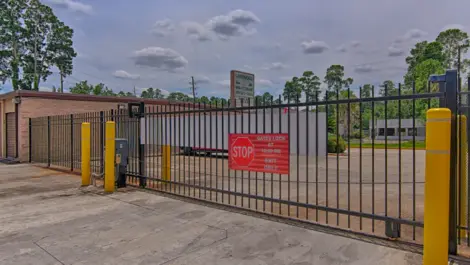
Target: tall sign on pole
242 87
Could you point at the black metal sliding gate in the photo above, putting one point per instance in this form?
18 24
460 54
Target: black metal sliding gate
357 156
356 160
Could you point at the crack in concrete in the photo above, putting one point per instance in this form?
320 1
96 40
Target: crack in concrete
43 249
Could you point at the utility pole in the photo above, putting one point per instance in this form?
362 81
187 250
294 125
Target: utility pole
35 60
194 90
458 61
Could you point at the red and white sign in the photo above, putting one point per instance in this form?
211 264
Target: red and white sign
259 152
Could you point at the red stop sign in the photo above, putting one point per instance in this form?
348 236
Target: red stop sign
242 151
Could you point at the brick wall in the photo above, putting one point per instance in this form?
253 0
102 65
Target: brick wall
37 107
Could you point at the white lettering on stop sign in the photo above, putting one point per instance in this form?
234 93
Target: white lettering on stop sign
242 151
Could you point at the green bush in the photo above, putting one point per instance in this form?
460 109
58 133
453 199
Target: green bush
336 147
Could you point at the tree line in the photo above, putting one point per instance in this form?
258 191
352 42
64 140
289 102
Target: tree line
425 58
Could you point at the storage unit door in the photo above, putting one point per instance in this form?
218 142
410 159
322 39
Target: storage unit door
11 134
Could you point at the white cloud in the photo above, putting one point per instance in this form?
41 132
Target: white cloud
164 59
395 51
414 34
72 6
411 35
202 79
275 66
314 47
264 82
365 68
125 75
453 26
355 44
196 31
399 40
243 17
247 67
162 28
233 24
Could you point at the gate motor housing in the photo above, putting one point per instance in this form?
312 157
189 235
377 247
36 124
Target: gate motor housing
121 161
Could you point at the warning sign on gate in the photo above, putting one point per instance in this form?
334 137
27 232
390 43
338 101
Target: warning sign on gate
259 152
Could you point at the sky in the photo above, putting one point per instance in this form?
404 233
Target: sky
162 43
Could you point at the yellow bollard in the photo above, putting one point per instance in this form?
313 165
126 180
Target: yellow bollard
166 162
436 189
86 176
462 172
110 150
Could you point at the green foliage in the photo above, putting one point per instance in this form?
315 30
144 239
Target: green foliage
125 94
32 40
423 70
336 144
81 88
310 85
451 40
292 90
178 96
204 100
334 78
88 89
264 100
152 93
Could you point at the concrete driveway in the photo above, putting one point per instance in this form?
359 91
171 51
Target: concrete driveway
47 219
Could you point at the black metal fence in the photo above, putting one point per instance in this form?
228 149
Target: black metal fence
356 156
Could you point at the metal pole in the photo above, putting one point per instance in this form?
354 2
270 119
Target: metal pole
48 141
451 102
30 141
71 142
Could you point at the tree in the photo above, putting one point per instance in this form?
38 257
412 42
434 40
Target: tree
11 39
125 94
423 51
334 78
416 55
152 93
366 91
335 82
60 50
98 90
81 88
422 72
178 96
204 100
451 40
387 88
292 90
310 85
26 33
102 90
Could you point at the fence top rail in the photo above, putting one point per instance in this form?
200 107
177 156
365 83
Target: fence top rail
434 95
190 107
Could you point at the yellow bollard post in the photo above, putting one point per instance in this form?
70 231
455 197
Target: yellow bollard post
110 150
86 176
462 173
166 162
436 189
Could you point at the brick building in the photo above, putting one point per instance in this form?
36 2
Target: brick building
18 106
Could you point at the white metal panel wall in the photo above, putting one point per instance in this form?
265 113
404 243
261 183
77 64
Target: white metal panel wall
211 131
